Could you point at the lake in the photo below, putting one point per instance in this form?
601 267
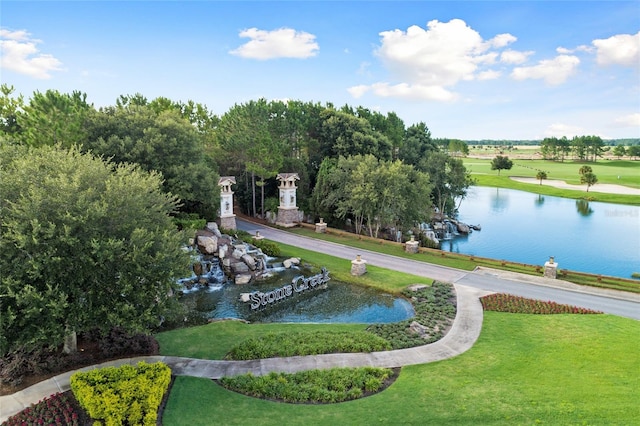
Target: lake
518 226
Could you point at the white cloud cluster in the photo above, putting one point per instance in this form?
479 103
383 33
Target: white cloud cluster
630 120
19 53
622 49
553 71
429 61
280 43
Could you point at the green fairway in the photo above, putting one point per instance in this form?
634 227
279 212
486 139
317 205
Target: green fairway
607 172
524 369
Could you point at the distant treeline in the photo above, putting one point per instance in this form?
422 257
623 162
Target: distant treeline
504 142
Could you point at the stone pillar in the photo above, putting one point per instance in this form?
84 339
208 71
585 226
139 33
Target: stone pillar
227 218
411 246
358 266
550 268
321 227
287 210
258 236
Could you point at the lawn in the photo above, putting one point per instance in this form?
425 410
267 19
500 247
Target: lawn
524 369
607 171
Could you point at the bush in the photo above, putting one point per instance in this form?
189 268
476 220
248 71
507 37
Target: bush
268 247
311 343
190 221
314 386
123 395
57 409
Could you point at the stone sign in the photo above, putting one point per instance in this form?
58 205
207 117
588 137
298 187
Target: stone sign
299 284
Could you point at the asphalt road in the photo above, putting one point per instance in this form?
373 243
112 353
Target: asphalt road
612 302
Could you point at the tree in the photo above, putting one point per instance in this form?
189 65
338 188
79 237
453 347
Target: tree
541 175
589 178
84 244
55 118
449 179
633 151
619 151
501 163
417 144
584 170
10 109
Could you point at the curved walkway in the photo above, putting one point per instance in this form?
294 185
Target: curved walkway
463 334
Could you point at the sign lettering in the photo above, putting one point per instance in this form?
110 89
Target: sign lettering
299 284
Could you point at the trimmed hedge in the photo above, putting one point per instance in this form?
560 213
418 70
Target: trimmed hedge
122 395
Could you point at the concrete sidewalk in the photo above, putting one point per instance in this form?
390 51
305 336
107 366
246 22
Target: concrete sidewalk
463 334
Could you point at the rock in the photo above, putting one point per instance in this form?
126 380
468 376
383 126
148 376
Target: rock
244 297
207 245
295 261
416 287
213 227
222 251
243 279
419 329
237 254
249 261
462 227
239 267
197 268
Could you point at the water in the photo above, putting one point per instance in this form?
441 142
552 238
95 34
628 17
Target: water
592 237
338 303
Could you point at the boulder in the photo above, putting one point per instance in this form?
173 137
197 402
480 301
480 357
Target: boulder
416 287
197 268
207 245
416 328
288 263
243 279
249 261
222 251
239 268
462 228
213 227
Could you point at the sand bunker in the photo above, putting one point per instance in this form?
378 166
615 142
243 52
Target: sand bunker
598 187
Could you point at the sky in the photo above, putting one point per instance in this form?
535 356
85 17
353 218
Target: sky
471 70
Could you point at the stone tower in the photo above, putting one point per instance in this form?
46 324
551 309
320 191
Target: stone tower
227 218
287 210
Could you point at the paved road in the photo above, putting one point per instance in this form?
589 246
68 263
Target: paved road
612 302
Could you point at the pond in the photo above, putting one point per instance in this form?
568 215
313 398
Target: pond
337 303
592 237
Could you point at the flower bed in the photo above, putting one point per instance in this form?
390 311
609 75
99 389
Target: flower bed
501 302
57 409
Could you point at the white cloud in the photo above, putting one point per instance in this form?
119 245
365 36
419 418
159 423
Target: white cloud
622 49
630 120
559 130
553 71
405 91
426 62
20 54
515 57
280 43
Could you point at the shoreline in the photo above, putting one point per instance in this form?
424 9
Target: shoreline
603 188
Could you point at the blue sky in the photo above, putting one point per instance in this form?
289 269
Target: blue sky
469 70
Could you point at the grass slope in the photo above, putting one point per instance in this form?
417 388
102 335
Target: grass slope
524 369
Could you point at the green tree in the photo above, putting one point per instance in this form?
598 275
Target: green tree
633 151
541 175
55 118
584 170
10 108
589 178
417 144
619 151
501 163
84 244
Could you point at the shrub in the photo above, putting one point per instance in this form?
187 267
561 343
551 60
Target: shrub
268 247
313 386
123 395
57 409
309 343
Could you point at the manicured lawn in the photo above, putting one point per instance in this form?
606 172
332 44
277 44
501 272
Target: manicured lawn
213 341
607 171
524 369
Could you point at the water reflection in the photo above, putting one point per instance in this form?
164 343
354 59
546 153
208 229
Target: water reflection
499 202
338 303
583 208
539 200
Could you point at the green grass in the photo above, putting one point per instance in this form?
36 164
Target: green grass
215 340
607 171
524 369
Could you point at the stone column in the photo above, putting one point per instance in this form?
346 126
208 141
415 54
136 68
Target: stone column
550 268
287 210
227 218
411 246
258 237
358 266
321 227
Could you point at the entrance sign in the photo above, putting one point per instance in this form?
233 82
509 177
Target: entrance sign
298 285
